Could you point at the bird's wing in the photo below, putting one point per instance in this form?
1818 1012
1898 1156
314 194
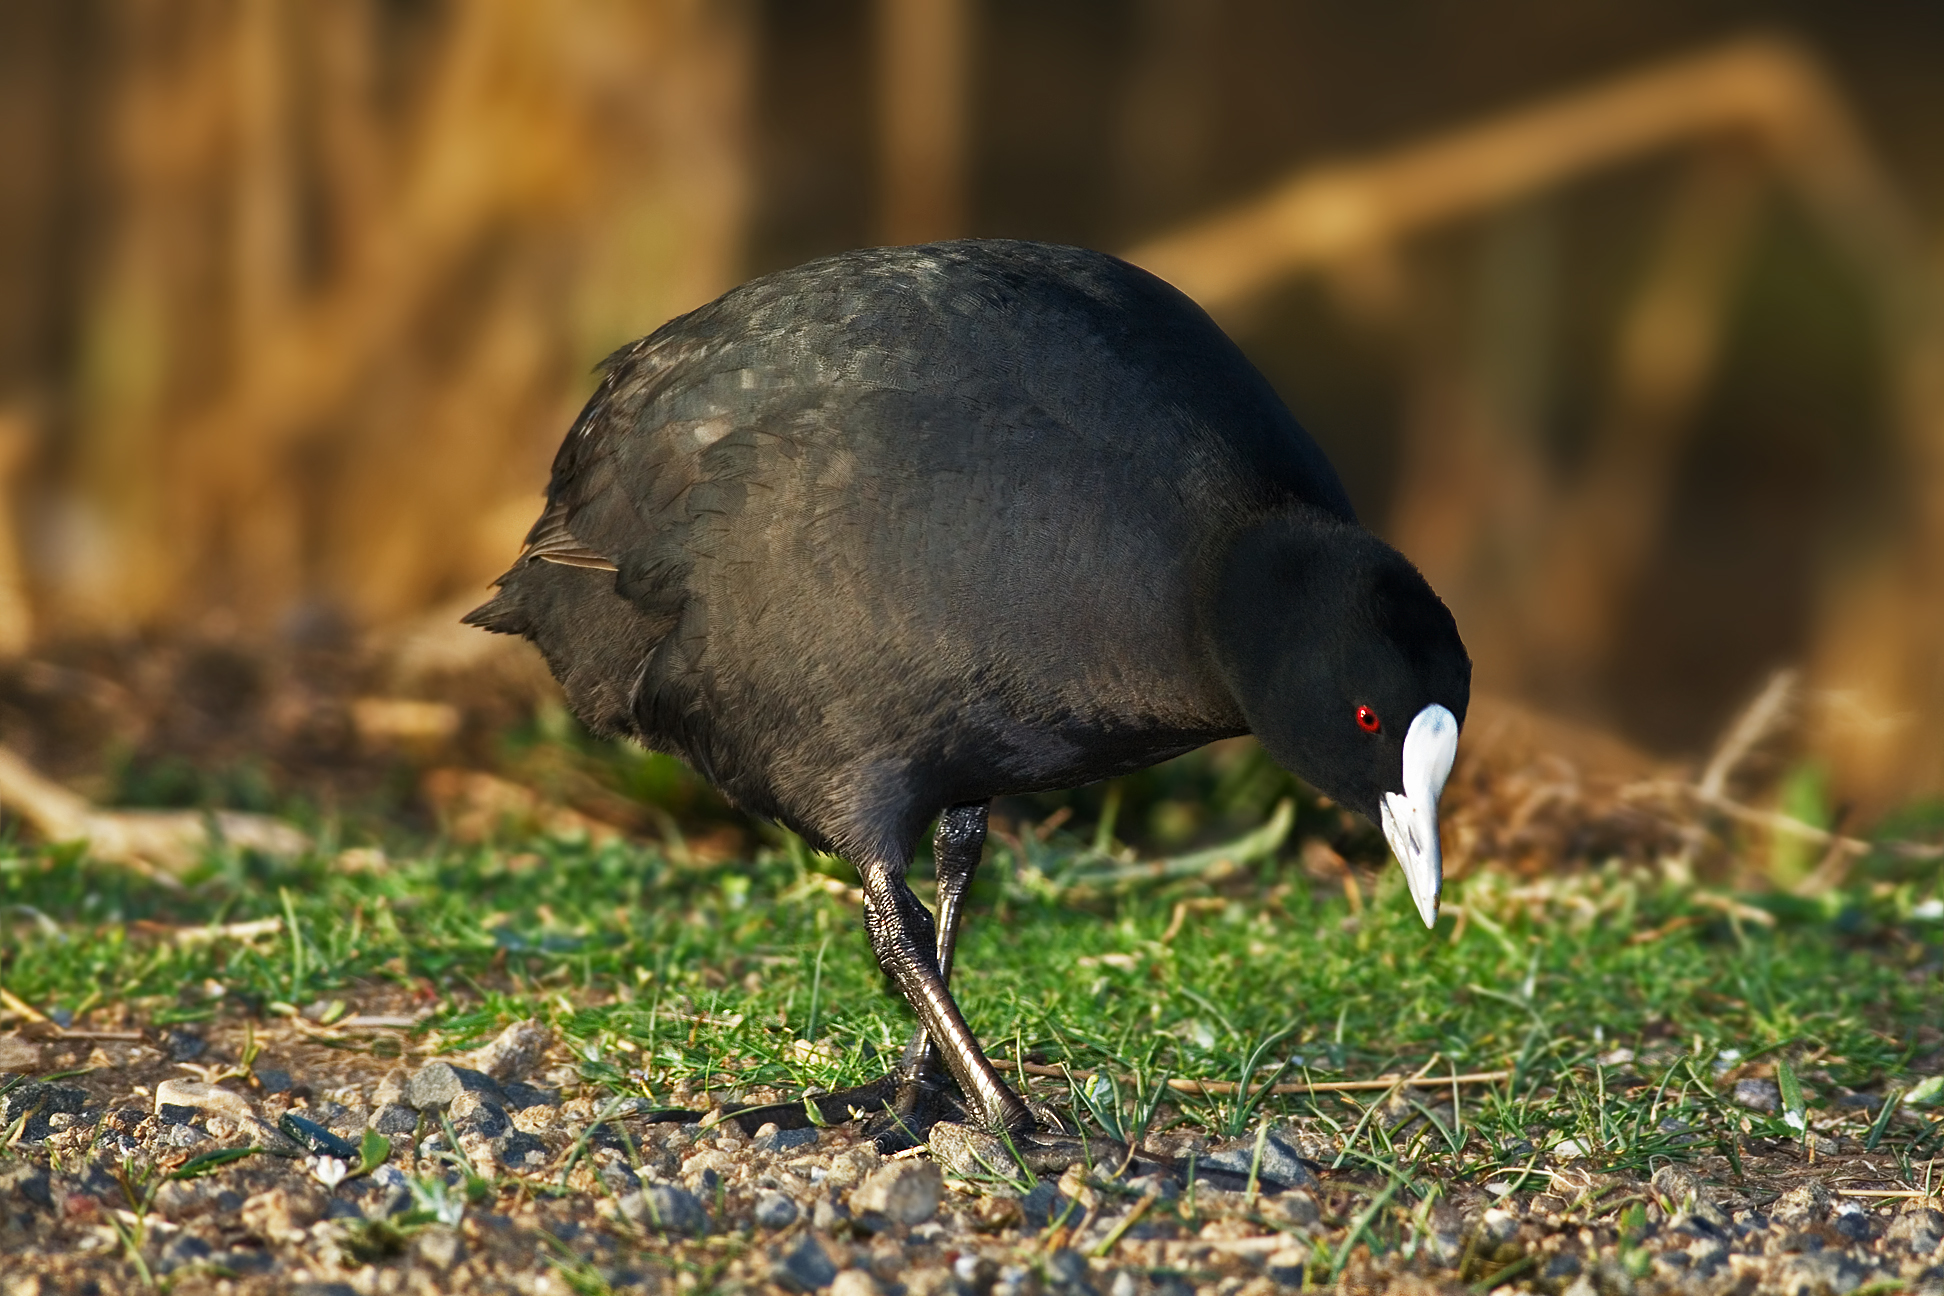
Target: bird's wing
552 541
650 455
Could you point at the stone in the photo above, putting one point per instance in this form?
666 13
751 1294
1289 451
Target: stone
972 1153
1126 1284
18 1055
473 1113
1820 1273
1801 1207
1679 1186
854 1282
182 1249
280 1212
995 1214
436 1084
315 1138
274 1080
205 1098
1041 1204
1017 1280
618 1175
519 1150
391 1089
849 1168
249 1260
393 1119
1295 1209
1286 1268
190 1199
184 1046
805 1267
1706 1255
1281 1167
774 1210
1852 1221
829 1215
1918 1230
438 1247
771 1139
1161 1186
1066 1268
524 1097
666 1208
1758 1095
902 1192
514 1052
1560 1268
180 1136
1498 1227
25 1184
42 1099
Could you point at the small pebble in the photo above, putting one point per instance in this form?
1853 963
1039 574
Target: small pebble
903 1192
774 1210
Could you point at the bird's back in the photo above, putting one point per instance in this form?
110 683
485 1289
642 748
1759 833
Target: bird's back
908 527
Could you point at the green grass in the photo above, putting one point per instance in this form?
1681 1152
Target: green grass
658 975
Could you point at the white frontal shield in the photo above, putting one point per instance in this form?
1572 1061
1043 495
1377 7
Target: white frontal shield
1411 820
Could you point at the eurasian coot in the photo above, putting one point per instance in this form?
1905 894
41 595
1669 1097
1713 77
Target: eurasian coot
872 541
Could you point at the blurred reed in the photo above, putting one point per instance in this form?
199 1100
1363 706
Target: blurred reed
351 266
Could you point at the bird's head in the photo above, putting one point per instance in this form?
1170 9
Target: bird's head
1350 671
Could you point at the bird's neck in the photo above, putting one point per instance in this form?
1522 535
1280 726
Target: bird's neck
1282 607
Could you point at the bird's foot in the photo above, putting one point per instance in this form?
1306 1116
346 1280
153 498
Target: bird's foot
901 1109
916 1105
833 1108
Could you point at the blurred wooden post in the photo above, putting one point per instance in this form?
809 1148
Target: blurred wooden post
16 612
1470 502
923 57
1604 526
1879 647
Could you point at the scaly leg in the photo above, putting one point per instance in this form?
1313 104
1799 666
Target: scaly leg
921 1097
914 1095
907 943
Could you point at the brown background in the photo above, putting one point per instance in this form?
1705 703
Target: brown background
296 296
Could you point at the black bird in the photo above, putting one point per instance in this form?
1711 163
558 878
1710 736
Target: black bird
872 541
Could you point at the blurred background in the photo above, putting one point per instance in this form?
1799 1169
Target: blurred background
1623 320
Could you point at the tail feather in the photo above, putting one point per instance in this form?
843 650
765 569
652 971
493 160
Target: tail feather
500 614
594 640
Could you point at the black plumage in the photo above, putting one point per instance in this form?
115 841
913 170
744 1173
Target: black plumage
907 529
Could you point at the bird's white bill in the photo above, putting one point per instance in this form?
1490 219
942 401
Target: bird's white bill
1411 820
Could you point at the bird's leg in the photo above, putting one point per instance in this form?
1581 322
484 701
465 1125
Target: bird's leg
905 940
958 844
920 1098
914 1095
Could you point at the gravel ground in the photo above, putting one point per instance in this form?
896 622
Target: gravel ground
559 1200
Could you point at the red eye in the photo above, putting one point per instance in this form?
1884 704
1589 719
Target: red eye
1367 720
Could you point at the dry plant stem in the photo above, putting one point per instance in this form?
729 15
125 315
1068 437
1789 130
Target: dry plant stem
36 1018
1761 87
1757 721
1761 718
161 843
1750 726
1222 1087
1671 789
